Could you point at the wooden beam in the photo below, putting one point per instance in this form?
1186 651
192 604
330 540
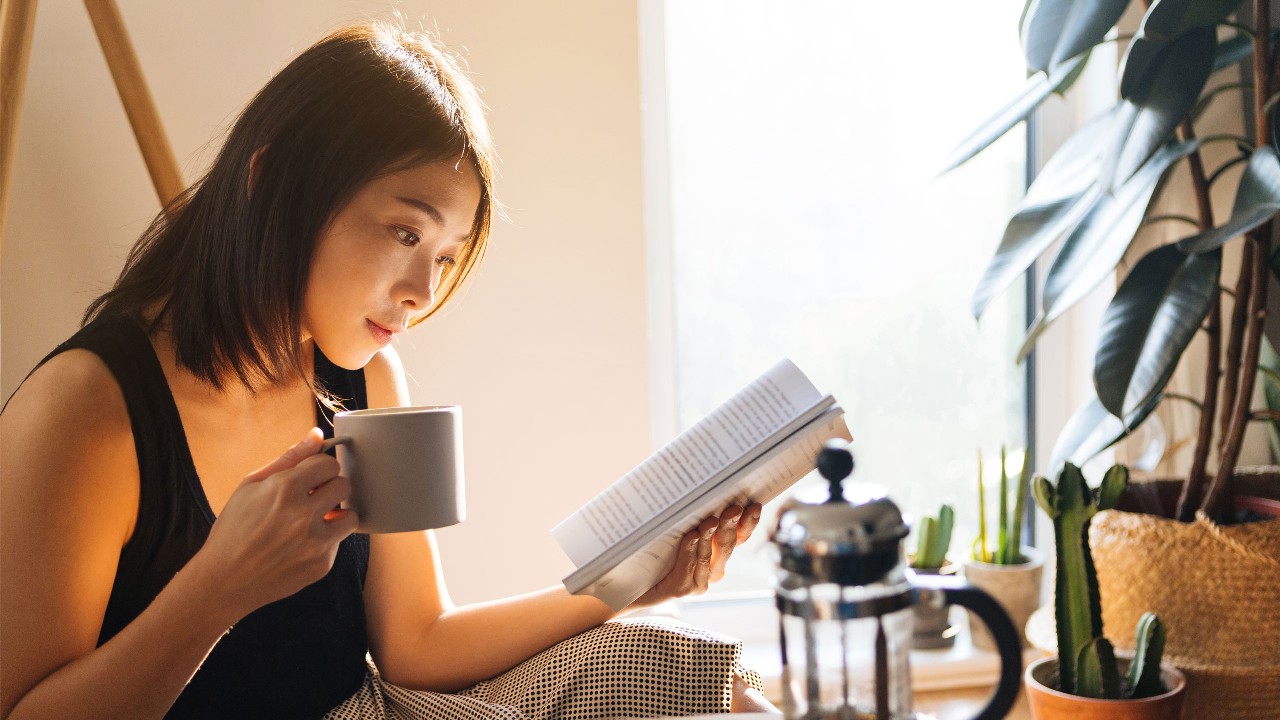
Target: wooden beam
138 104
19 18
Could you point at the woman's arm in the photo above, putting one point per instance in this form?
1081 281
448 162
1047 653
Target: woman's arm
69 493
419 639
70 497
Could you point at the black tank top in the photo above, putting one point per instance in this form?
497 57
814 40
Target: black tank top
294 658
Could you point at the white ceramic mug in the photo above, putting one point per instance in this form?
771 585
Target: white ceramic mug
405 466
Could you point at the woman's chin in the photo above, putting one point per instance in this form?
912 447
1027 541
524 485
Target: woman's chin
348 358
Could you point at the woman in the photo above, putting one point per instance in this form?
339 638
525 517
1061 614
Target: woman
161 557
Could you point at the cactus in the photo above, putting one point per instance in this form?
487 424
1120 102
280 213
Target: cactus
1086 660
1009 528
1144 671
933 538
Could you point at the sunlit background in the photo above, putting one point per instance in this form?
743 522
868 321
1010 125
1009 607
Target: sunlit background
808 222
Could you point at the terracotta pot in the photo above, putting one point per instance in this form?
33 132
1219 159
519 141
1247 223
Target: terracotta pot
1016 587
1049 704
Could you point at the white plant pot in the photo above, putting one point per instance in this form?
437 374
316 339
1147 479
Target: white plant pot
1016 587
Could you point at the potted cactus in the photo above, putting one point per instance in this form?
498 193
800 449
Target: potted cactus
1008 572
932 629
1085 678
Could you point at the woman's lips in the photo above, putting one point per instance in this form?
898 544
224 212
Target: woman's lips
381 334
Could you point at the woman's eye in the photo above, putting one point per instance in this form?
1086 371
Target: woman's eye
406 237
447 261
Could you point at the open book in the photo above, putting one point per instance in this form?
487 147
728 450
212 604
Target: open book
749 449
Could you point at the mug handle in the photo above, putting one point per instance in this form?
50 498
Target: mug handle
942 590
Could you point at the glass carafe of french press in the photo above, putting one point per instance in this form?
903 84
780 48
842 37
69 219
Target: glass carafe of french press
845 596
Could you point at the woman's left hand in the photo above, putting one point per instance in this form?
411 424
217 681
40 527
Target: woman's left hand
702 554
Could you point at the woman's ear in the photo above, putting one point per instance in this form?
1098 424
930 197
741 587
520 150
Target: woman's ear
255 164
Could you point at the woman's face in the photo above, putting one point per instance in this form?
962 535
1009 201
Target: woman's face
378 263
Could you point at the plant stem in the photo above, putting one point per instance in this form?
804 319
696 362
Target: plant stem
1203 103
1151 219
1257 251
1184 398
1270 103
1002 532
1272 415
1227 166
1019 501
1194 486
982 516
1240 140
1235 344
1238 26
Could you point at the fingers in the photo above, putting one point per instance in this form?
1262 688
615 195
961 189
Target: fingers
725 540
305 448
749 522
331 494
342 523
705 550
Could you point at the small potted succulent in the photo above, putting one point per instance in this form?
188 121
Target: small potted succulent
1008 571
932 629
1085 678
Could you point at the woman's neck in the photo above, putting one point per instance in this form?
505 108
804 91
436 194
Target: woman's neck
233 395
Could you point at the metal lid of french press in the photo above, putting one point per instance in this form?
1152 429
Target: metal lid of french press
852 537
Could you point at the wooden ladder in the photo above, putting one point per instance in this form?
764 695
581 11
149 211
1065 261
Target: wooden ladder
19 19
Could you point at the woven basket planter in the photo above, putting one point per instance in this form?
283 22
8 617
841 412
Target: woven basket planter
1217 589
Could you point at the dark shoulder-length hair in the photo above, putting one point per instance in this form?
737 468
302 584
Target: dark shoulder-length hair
227 264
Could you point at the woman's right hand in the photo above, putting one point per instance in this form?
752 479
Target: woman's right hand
279 531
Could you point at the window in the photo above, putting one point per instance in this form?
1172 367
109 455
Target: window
792 155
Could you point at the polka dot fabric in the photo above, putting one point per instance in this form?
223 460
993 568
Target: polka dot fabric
641 667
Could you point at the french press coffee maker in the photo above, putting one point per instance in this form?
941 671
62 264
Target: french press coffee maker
845 596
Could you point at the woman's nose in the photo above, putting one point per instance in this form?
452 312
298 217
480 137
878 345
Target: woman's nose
418 287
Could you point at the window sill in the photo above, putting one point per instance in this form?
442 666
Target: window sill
753 619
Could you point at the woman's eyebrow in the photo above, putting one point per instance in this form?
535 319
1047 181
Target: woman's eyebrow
425 207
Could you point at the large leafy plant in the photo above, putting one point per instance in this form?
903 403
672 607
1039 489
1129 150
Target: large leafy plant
1097 191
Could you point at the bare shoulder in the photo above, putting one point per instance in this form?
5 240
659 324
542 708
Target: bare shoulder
69 499
64 431
75 384
385 380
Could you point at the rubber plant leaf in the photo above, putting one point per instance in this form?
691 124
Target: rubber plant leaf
1150 321
1038 87
1275 129
1164 22
1092 429
1257 200
1077 69
1061 193
1054 31
1163 97
1232 50
1098 242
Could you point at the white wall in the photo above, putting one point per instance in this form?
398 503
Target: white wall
546 352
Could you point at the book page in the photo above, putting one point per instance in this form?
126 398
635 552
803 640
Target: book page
711 446
760 482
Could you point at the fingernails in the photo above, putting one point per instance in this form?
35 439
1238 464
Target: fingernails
706 535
